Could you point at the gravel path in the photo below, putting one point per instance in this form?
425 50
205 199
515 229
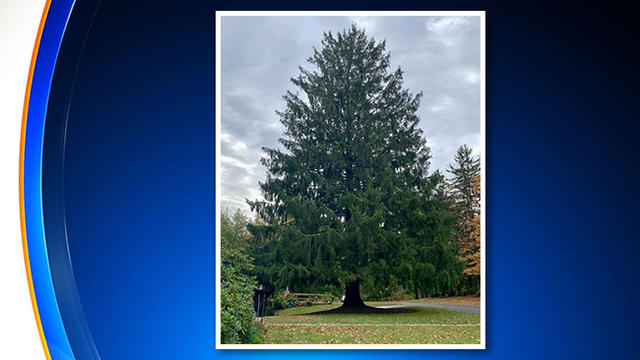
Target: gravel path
460 308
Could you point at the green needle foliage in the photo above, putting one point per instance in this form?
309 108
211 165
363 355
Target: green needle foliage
348 199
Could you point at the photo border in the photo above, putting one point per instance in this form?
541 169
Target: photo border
482 15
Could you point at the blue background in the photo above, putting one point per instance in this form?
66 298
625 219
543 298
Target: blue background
132 183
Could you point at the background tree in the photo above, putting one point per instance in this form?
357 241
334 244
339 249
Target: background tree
345 195
465 190
470 248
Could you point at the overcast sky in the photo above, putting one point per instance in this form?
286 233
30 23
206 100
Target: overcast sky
440 56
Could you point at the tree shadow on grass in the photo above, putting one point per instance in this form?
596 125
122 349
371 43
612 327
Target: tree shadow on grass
364 310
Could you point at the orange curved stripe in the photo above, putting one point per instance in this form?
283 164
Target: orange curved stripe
25 249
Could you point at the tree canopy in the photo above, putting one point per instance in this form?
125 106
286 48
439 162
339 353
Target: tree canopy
348 199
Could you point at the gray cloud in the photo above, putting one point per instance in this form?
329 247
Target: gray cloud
440 56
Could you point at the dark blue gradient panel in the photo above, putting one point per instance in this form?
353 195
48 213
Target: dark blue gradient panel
138 175
138 183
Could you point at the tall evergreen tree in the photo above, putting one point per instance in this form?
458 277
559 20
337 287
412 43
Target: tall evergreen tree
343 197
465 190
467 200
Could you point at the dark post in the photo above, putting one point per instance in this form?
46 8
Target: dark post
235 327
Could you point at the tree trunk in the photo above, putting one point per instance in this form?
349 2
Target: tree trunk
352 296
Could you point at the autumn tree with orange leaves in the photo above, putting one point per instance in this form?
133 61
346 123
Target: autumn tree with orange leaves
470 245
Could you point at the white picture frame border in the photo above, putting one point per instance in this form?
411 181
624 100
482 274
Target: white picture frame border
218 46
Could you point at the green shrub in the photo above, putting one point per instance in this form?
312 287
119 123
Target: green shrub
236 287
279 302
329 298
237 306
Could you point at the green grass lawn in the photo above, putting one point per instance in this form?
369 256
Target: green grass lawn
424 326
